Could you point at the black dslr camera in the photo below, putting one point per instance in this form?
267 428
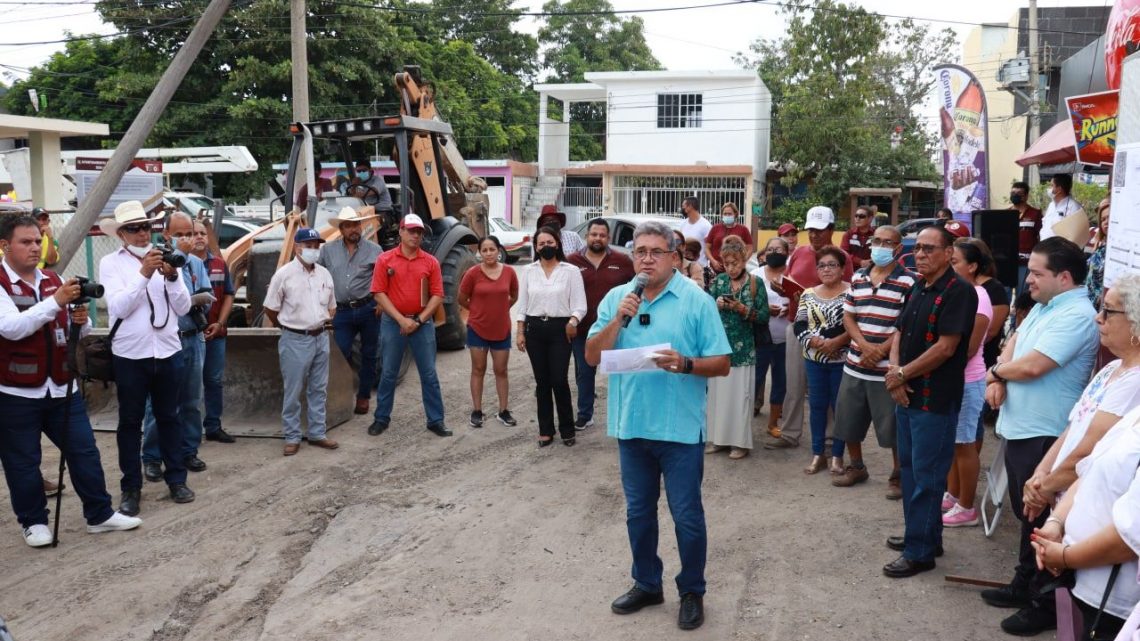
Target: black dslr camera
88 289
170 257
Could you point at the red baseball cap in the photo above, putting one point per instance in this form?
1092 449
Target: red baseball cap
785 229
958 229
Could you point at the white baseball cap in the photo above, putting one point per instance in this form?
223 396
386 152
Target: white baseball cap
412 221
819 217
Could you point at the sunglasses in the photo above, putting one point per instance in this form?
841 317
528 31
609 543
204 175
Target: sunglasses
134 229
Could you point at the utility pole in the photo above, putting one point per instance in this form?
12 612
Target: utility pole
300 52
1034 96
76 230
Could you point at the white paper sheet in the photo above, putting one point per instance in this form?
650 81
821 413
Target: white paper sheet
631 361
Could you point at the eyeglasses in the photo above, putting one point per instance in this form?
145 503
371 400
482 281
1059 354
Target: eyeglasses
652 254
860 215
134 229
927 249
1104 312
884 242
823 266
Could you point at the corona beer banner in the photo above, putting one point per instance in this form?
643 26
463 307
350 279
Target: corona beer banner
1094 125
964 121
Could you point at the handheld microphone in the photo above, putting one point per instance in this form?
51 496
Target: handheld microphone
641 279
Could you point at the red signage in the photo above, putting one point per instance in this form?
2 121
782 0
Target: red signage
1123 29
1094 126
97 164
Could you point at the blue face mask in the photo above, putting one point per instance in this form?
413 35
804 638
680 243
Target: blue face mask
729 220
364 175
882 256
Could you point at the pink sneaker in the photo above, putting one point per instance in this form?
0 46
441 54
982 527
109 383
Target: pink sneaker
948 501
959 516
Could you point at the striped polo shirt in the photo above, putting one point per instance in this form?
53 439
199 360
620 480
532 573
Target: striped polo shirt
875 310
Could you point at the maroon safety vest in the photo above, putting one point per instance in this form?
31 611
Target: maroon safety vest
28 361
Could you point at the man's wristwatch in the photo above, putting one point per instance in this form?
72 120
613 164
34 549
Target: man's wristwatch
993 371
419 321
573 322
688 366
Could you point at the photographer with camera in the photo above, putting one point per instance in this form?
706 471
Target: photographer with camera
144 297
34 383
179 237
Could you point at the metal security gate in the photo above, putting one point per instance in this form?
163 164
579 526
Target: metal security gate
662 195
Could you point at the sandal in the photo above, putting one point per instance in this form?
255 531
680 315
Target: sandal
818 462
546 441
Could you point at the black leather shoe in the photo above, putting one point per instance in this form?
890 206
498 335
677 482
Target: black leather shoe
1007 596
636 599
181 494
377 428
152 472
898 544
1028 622
903 567
439 429
220 436
129 502
692 612
194 464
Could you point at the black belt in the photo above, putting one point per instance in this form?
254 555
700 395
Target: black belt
355 304
187 333
306 332
546 319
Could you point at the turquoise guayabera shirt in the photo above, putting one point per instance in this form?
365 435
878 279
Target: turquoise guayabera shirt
659 405
1065 331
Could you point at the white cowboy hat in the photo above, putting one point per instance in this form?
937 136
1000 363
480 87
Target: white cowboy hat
350 215
126 213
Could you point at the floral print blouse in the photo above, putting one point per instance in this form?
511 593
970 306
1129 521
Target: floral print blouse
737 327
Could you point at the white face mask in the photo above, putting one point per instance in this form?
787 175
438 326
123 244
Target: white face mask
140 252
310 255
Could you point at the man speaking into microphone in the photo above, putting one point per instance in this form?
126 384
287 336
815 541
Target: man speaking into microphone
658 416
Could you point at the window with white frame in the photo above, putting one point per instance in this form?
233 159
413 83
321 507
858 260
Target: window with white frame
678 110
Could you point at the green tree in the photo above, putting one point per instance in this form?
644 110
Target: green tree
581 37
842 81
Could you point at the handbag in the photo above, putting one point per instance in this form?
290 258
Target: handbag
761 333
94 360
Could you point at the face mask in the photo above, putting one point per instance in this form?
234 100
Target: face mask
547 253
310 255
364 175
140 252
882 256
1052 192
776 260
1016 199
729 220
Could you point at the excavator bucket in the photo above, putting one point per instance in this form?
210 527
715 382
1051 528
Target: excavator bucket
252 387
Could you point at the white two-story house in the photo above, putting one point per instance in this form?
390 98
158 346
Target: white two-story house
669 134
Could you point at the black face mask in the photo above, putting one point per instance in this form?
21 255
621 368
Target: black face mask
1016 199
776 260
547 253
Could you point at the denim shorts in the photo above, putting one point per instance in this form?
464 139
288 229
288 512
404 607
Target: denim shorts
973 397
477 341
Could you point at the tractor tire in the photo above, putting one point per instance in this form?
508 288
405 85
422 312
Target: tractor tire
452 335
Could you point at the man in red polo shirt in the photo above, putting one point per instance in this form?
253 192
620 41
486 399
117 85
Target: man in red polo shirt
602 270
408 285
857 240
1028 227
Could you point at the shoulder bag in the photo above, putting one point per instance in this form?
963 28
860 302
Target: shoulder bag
93 359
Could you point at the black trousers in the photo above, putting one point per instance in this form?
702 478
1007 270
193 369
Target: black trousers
1108 626
549 353
1021 459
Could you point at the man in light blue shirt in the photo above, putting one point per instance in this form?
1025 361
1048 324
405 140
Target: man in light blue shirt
658 417
1037 379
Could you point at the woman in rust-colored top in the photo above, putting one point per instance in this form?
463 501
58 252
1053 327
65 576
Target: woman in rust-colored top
487 291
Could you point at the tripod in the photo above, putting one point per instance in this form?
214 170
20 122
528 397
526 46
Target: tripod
72 342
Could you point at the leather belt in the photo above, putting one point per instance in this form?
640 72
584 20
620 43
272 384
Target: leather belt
306 332
187 333
548 318
355 304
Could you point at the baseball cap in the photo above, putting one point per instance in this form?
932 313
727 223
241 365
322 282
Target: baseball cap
412 221
819 217
307 234
785 229
958 229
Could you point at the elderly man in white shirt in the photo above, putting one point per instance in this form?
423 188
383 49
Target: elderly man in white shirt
301 302
145 297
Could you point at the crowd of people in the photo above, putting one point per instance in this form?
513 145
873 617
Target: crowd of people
844 330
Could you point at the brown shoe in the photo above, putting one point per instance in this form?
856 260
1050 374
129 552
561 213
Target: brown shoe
894 489
326 443
361 406
851 476
780 443
291 448
774 412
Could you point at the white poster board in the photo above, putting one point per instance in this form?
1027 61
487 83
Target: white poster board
142 182
1123 253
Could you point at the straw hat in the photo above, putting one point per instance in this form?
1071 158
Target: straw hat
126 213
350 215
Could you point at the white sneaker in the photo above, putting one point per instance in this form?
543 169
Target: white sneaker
117 523
37 536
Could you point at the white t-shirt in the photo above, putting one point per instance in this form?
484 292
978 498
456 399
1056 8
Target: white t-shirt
777 325
698 230
1118 398
1109 495
1054 213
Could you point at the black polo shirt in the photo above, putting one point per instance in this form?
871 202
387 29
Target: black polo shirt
958 305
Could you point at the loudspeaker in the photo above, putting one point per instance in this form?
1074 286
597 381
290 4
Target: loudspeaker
998 228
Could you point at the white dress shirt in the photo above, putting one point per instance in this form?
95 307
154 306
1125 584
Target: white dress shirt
301 297
1055 212
16 325
560 295
150 322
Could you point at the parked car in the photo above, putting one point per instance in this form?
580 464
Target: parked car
233 229
516 242
622 226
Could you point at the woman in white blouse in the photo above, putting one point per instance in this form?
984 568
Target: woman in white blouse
552 300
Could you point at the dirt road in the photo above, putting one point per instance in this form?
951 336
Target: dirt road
480 536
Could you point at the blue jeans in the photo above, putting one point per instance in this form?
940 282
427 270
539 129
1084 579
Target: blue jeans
583 377
213 373
643 463
347 324
926 450
25 419
392 346
772 355
189 388
136 382
823 390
